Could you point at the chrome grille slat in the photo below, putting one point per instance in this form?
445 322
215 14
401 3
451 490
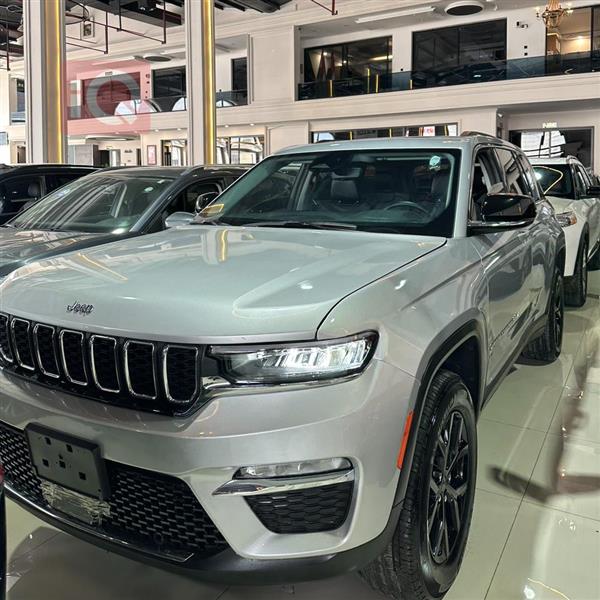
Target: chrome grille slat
138 373
174 389
22 343
5 350
46 359
69 356
142 375
97 374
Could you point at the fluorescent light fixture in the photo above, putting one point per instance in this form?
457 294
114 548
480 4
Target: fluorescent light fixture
409 12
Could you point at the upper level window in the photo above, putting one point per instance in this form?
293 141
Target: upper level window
578 32
351 59
453 47
239 73
168 82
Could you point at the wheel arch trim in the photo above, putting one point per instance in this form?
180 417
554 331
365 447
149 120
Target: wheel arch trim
427 371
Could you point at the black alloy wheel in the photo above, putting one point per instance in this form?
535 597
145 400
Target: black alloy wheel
449 482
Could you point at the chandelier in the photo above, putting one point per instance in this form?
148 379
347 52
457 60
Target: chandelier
553 14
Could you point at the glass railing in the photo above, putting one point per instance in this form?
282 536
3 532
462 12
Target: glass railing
17 117
232 98
504 70
123 108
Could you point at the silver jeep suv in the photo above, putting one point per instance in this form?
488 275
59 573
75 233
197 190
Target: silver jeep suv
289 387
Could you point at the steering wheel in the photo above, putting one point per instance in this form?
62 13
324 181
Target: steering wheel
410 206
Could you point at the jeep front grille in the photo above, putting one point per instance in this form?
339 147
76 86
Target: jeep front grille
151 376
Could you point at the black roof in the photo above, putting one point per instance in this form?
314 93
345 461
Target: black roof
43 168
204 170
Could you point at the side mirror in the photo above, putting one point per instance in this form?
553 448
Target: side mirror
504 211
204 200
594 190
178 219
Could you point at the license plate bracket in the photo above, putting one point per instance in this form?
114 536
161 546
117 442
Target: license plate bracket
68 461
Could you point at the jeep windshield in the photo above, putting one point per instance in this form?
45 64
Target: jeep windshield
102 203
555 180
388 191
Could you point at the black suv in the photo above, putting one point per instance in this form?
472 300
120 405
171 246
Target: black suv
22 184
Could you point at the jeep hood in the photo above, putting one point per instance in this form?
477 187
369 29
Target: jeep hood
19 246
209 283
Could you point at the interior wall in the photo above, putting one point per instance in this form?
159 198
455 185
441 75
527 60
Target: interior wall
576 118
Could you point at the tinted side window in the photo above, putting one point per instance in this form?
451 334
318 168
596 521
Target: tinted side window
516 182
21 189
486 179
53 182
530 177
581 180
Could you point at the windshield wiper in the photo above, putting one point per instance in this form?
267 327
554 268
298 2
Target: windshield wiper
304 225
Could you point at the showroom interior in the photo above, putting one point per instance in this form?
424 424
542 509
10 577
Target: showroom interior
384 384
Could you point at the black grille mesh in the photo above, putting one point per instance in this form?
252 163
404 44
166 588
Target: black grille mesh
105 366
140 358
5 349
44 337
181 362
304 511
154 512
149 376
22 342
74 355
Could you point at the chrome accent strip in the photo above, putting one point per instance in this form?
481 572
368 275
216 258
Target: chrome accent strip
36 346
127 376
93 338
61 344
17 355
9 359
89 530
257 487
500 224
165 354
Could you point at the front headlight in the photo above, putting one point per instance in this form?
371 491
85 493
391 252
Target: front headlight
566 219
287 363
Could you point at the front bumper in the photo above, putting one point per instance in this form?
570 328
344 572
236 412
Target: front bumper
361 419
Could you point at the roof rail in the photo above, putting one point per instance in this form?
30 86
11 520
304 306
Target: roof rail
473 133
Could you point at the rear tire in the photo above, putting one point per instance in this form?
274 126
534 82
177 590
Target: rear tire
424 557
594 262
576 286
548 346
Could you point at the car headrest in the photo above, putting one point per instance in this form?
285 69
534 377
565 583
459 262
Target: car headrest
344 191
34 190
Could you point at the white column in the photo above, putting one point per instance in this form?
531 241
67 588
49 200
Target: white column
200 72
44 48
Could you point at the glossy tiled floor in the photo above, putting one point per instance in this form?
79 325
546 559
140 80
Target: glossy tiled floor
536 527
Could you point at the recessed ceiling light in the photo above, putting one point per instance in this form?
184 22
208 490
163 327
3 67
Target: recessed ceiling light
251 124
464 8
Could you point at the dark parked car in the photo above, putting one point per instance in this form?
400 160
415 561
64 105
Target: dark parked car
109 204
23 184
2 537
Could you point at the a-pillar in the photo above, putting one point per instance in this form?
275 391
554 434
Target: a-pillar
45 90
201 101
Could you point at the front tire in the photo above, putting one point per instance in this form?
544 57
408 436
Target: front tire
548 346
577 285
424 557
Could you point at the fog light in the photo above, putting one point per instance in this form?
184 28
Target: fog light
294 469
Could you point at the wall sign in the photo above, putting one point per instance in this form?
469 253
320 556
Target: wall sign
151 155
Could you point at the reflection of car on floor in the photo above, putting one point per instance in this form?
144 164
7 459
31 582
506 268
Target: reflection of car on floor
109 205
287 388
576 201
